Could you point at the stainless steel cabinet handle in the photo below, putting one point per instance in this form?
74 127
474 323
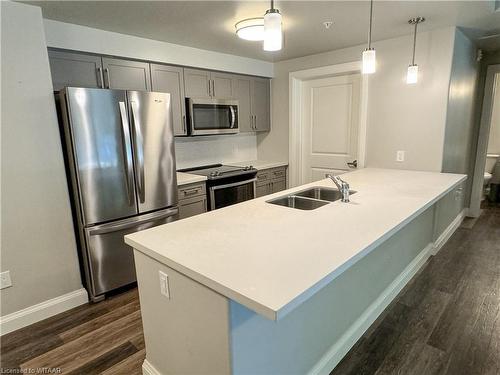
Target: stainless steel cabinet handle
139 152
107 78
352 164
128 155
213 88
184 125
100 78
191 191
255 122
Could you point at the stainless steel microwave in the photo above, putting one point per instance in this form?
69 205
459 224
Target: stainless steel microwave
212 116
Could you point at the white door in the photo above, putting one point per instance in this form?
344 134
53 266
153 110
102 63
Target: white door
330 125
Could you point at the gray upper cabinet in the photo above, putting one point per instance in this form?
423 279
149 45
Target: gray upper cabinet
222 85
75 69
126 75
166 78
260 104
197 83
243 93
206 84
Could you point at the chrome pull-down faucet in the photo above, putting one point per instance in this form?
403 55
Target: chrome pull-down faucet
342 185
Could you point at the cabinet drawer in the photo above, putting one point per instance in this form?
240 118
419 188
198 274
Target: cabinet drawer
263 176
192 190
192 206
279 173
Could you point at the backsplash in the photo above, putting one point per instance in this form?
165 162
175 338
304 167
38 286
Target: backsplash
197 151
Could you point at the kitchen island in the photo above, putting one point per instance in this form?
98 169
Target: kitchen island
264 289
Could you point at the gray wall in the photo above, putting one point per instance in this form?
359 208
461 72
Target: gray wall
37 238
400 116
458 145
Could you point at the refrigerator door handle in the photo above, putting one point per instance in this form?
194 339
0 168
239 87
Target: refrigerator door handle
124 224
139 151
128 155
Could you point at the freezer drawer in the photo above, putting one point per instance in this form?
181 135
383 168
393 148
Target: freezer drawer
111 261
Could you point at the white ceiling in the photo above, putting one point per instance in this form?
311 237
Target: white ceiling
210 24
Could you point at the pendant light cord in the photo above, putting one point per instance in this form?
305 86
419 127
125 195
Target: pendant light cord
370 27
414 43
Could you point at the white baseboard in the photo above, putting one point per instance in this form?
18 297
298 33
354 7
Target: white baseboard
149 369
448 232
41 311
336 352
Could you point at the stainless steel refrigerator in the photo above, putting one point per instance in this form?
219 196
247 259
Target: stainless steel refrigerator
119 148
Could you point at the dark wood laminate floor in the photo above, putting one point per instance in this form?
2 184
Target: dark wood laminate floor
446 321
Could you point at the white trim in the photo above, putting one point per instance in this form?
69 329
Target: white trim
338 350
482 142
43 310
295 115
448 232
149 369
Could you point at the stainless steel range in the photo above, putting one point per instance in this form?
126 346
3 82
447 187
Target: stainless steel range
227 185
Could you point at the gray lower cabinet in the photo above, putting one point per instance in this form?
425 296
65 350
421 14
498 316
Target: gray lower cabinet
167 78
75 69
123 74
271 181
192 200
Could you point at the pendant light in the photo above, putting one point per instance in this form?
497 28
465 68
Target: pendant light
273 37
369 58
412 75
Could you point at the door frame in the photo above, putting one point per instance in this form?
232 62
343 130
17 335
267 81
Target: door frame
482 141
296 80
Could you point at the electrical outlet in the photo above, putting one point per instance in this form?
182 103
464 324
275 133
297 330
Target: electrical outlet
5 280
400 156
164 287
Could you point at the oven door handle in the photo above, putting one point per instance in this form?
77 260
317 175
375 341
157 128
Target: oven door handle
239 183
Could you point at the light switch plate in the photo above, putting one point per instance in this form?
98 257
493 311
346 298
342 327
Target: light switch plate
164 287
5 280
400 156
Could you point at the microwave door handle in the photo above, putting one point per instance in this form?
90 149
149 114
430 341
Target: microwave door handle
233 116
128 156
139 152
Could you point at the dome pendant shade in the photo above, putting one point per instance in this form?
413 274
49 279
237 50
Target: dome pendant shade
250 29
273 37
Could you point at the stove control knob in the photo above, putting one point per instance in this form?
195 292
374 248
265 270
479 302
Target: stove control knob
215 173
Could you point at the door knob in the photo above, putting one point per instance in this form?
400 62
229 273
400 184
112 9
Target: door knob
353 164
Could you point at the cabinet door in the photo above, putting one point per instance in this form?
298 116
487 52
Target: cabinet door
278 185
126 74
222 85
197 83
165 78
192 206
75 69
242 93
261 103
263 189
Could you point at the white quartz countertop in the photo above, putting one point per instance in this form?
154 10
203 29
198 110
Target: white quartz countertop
271 258
260 164
188 178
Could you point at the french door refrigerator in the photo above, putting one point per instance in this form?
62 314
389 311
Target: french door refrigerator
119 148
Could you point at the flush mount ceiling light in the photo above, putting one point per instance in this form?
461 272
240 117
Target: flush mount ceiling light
273 36
412 74
369 59
251 29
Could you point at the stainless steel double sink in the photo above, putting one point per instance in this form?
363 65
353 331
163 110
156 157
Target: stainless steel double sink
309 199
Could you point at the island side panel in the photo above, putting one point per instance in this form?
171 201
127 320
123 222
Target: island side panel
188 333
297 342
448 208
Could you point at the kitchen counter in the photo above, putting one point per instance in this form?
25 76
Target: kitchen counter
260 164
188 178
303 251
